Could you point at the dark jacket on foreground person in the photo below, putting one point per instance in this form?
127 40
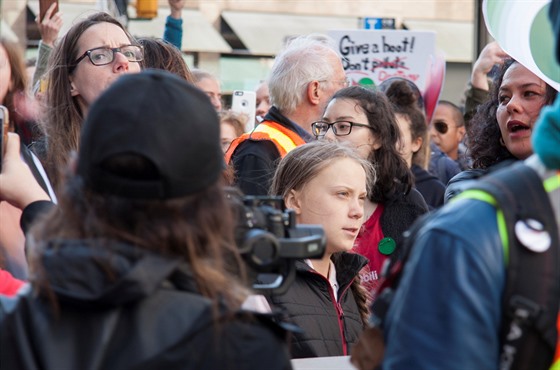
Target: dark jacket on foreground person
136 267
329 329
132 320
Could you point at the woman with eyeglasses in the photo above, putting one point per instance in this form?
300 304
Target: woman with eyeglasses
87 60
365 120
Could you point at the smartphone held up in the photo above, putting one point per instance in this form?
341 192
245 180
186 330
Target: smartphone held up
44 5
245 102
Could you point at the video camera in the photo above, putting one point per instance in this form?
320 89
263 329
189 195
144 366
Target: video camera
270 241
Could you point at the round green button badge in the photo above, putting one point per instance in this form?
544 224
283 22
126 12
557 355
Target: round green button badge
386 246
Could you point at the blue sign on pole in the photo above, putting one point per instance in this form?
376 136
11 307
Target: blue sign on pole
371 23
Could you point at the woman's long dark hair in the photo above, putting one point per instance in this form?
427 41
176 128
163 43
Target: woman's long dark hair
197 228
64 116
405 102
161 54
393 174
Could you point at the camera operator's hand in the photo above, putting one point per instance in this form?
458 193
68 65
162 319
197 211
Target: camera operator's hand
367 353
17 184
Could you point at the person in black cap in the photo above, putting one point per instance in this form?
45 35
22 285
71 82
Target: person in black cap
136 267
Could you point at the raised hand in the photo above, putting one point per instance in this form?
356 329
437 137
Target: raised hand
50 25
491 55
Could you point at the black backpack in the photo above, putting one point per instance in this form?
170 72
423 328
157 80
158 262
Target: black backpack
531 297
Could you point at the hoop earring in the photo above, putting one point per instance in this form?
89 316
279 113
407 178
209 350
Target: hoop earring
502 141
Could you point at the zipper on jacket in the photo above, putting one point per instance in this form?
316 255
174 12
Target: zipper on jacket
339 310
340 315
341 328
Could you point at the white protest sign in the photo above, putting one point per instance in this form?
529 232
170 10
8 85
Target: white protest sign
373 56
323 363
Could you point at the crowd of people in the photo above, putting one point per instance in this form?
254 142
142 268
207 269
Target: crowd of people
116 220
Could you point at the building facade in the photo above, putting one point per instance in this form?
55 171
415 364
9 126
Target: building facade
237 39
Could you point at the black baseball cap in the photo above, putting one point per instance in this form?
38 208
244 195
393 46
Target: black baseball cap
160 118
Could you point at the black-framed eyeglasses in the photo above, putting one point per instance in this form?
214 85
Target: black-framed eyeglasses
103 55
340 128
441 127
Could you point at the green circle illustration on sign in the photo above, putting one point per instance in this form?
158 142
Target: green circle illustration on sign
367 82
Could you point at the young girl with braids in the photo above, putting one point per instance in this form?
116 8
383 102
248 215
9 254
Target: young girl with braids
326 183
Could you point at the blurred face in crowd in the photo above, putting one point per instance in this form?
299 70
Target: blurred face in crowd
360 138
263 100
445 132
334 198
87 80
5 73
227 134
211 87
521 96
406 146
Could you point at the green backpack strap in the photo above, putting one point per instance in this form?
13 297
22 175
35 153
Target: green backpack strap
530 300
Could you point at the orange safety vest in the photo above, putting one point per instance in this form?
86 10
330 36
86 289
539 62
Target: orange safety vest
283 138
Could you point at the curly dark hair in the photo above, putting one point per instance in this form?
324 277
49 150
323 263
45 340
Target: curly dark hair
483 136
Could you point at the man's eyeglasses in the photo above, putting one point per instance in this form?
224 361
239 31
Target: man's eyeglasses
340 128
441 127
346 82
103 55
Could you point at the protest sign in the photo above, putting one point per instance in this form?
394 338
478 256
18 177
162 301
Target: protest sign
372 56
523 30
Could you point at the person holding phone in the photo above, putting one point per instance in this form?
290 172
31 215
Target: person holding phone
14 97
49 26
92 55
